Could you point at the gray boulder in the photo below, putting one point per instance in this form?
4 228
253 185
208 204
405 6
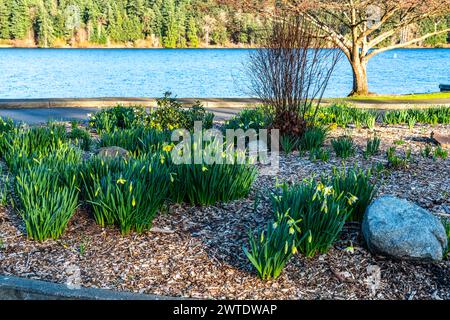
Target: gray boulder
400 229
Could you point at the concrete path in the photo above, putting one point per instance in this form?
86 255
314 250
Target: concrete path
35 111
42 115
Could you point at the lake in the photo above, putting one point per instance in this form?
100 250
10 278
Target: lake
73 73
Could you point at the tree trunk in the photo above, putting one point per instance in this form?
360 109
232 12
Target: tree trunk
360 84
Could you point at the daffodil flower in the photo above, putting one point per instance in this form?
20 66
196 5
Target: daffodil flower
352 199
121 181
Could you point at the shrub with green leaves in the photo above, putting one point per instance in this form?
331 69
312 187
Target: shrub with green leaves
320 210
271 250
344 115
372 147
439 152
343 147
207 184
170 114
4 187
433 115
258 118
319 154
313 138
446 224
397 161
6 125
289 143
357 186
119 117
37 145
47 199
81 138
427 151
138 141
128 194
198 113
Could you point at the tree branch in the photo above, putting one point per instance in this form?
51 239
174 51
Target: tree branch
401 45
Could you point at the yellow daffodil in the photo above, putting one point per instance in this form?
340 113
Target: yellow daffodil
133 202
167 148
327 191
121 181
352 199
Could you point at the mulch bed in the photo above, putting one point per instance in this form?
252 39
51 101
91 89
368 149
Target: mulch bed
197 252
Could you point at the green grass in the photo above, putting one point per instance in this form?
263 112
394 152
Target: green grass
408 97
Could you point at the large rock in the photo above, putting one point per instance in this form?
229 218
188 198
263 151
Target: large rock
400 229
113 152
441 139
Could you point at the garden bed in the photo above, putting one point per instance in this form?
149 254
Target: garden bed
197 251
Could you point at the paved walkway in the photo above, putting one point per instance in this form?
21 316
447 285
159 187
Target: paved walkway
34 111
42 115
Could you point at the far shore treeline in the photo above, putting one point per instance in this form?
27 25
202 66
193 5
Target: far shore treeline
139 23
142 23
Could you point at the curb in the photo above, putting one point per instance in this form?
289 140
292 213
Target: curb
218 103
111 101
17 288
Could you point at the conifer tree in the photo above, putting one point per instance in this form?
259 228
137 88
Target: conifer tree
192 33
20 19
44 27
170 25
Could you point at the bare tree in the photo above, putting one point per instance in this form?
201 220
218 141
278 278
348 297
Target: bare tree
360 28
291 71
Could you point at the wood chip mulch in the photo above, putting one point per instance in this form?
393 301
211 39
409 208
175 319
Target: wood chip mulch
197 252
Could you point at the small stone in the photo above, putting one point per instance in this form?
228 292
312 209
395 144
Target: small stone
113 152
400 229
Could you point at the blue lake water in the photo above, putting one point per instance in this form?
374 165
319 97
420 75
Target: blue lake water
64 73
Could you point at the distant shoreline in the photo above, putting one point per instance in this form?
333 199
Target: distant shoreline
125 46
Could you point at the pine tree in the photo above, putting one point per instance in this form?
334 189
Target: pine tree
44 27
135 8
4 19
20 19
180 14
157 22
170 24
192 33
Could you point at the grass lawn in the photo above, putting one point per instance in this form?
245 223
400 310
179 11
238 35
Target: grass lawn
412 97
